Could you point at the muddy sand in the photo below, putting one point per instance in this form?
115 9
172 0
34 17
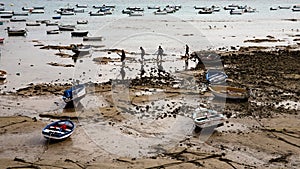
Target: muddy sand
262 132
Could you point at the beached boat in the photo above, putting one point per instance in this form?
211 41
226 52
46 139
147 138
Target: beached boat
204 118
227 92
82 22
53 31
16 32
95 38
74 94
3 75
66 27
59 130
79 33
214 76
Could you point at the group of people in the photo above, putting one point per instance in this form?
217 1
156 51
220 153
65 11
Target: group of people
159 53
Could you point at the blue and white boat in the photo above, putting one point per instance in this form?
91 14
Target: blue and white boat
214 76
75 93
59 130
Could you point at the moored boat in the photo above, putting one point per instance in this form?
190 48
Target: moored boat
16 32
79 33
59 130
53 31
66 27
82 22
33 24
95 38
227 92
17 20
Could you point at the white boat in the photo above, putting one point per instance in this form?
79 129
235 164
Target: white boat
59 130
95 38
204 118
96 13
160 13
37 11
67 13
136 13
236 12
33 24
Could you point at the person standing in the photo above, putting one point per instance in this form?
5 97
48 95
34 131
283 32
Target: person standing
142 53
187 55
123 56
187 50
160 52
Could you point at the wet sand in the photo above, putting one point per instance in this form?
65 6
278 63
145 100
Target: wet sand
137 131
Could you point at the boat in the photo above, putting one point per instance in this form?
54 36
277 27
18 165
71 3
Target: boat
3 75
227 92
273 8
1 40
33 24
214 76
56 17
159 12
74 94
53 31
17 20
96 13
67 13
82 22
27 9
20 13
136 13
38 7
16 32
59 130
37 11
153 7
66 27
296 9
6 16
236 12
78 10
6 12
81 6
95 38
204 118
205 11
79 33
284 7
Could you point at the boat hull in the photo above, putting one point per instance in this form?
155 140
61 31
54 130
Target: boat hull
59 130
228 92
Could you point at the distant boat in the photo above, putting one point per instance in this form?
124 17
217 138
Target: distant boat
17 20
296 9
136 13
67 13
53 31
66 27
37 11
82 22
20 13
228 92
204 118
205 11
6 16
79 33
284 7
153 7
33 24
49 23
160 12
236 12
27 9
38 7
16 32
79 10
56 17
95 38
59 130
96 13
214 76
81 6
273 8
3 74
74 94
1 40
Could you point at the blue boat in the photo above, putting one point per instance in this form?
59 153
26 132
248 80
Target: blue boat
215 76
59 130
75 93
56 17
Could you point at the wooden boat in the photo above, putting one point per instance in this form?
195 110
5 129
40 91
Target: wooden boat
3 75
79 33
82 22
66 27
16 32
53 31
228 92
214 76
204 118
95 38
59 130
74 94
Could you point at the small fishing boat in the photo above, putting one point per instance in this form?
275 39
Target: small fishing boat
273 8
6 12
66 27
74 94
6 16
33 24
296 9
227 92
38 7
56 17
204 118
214 76
3 75
59 130
79 33
16 32
95 38
82 22
53 31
